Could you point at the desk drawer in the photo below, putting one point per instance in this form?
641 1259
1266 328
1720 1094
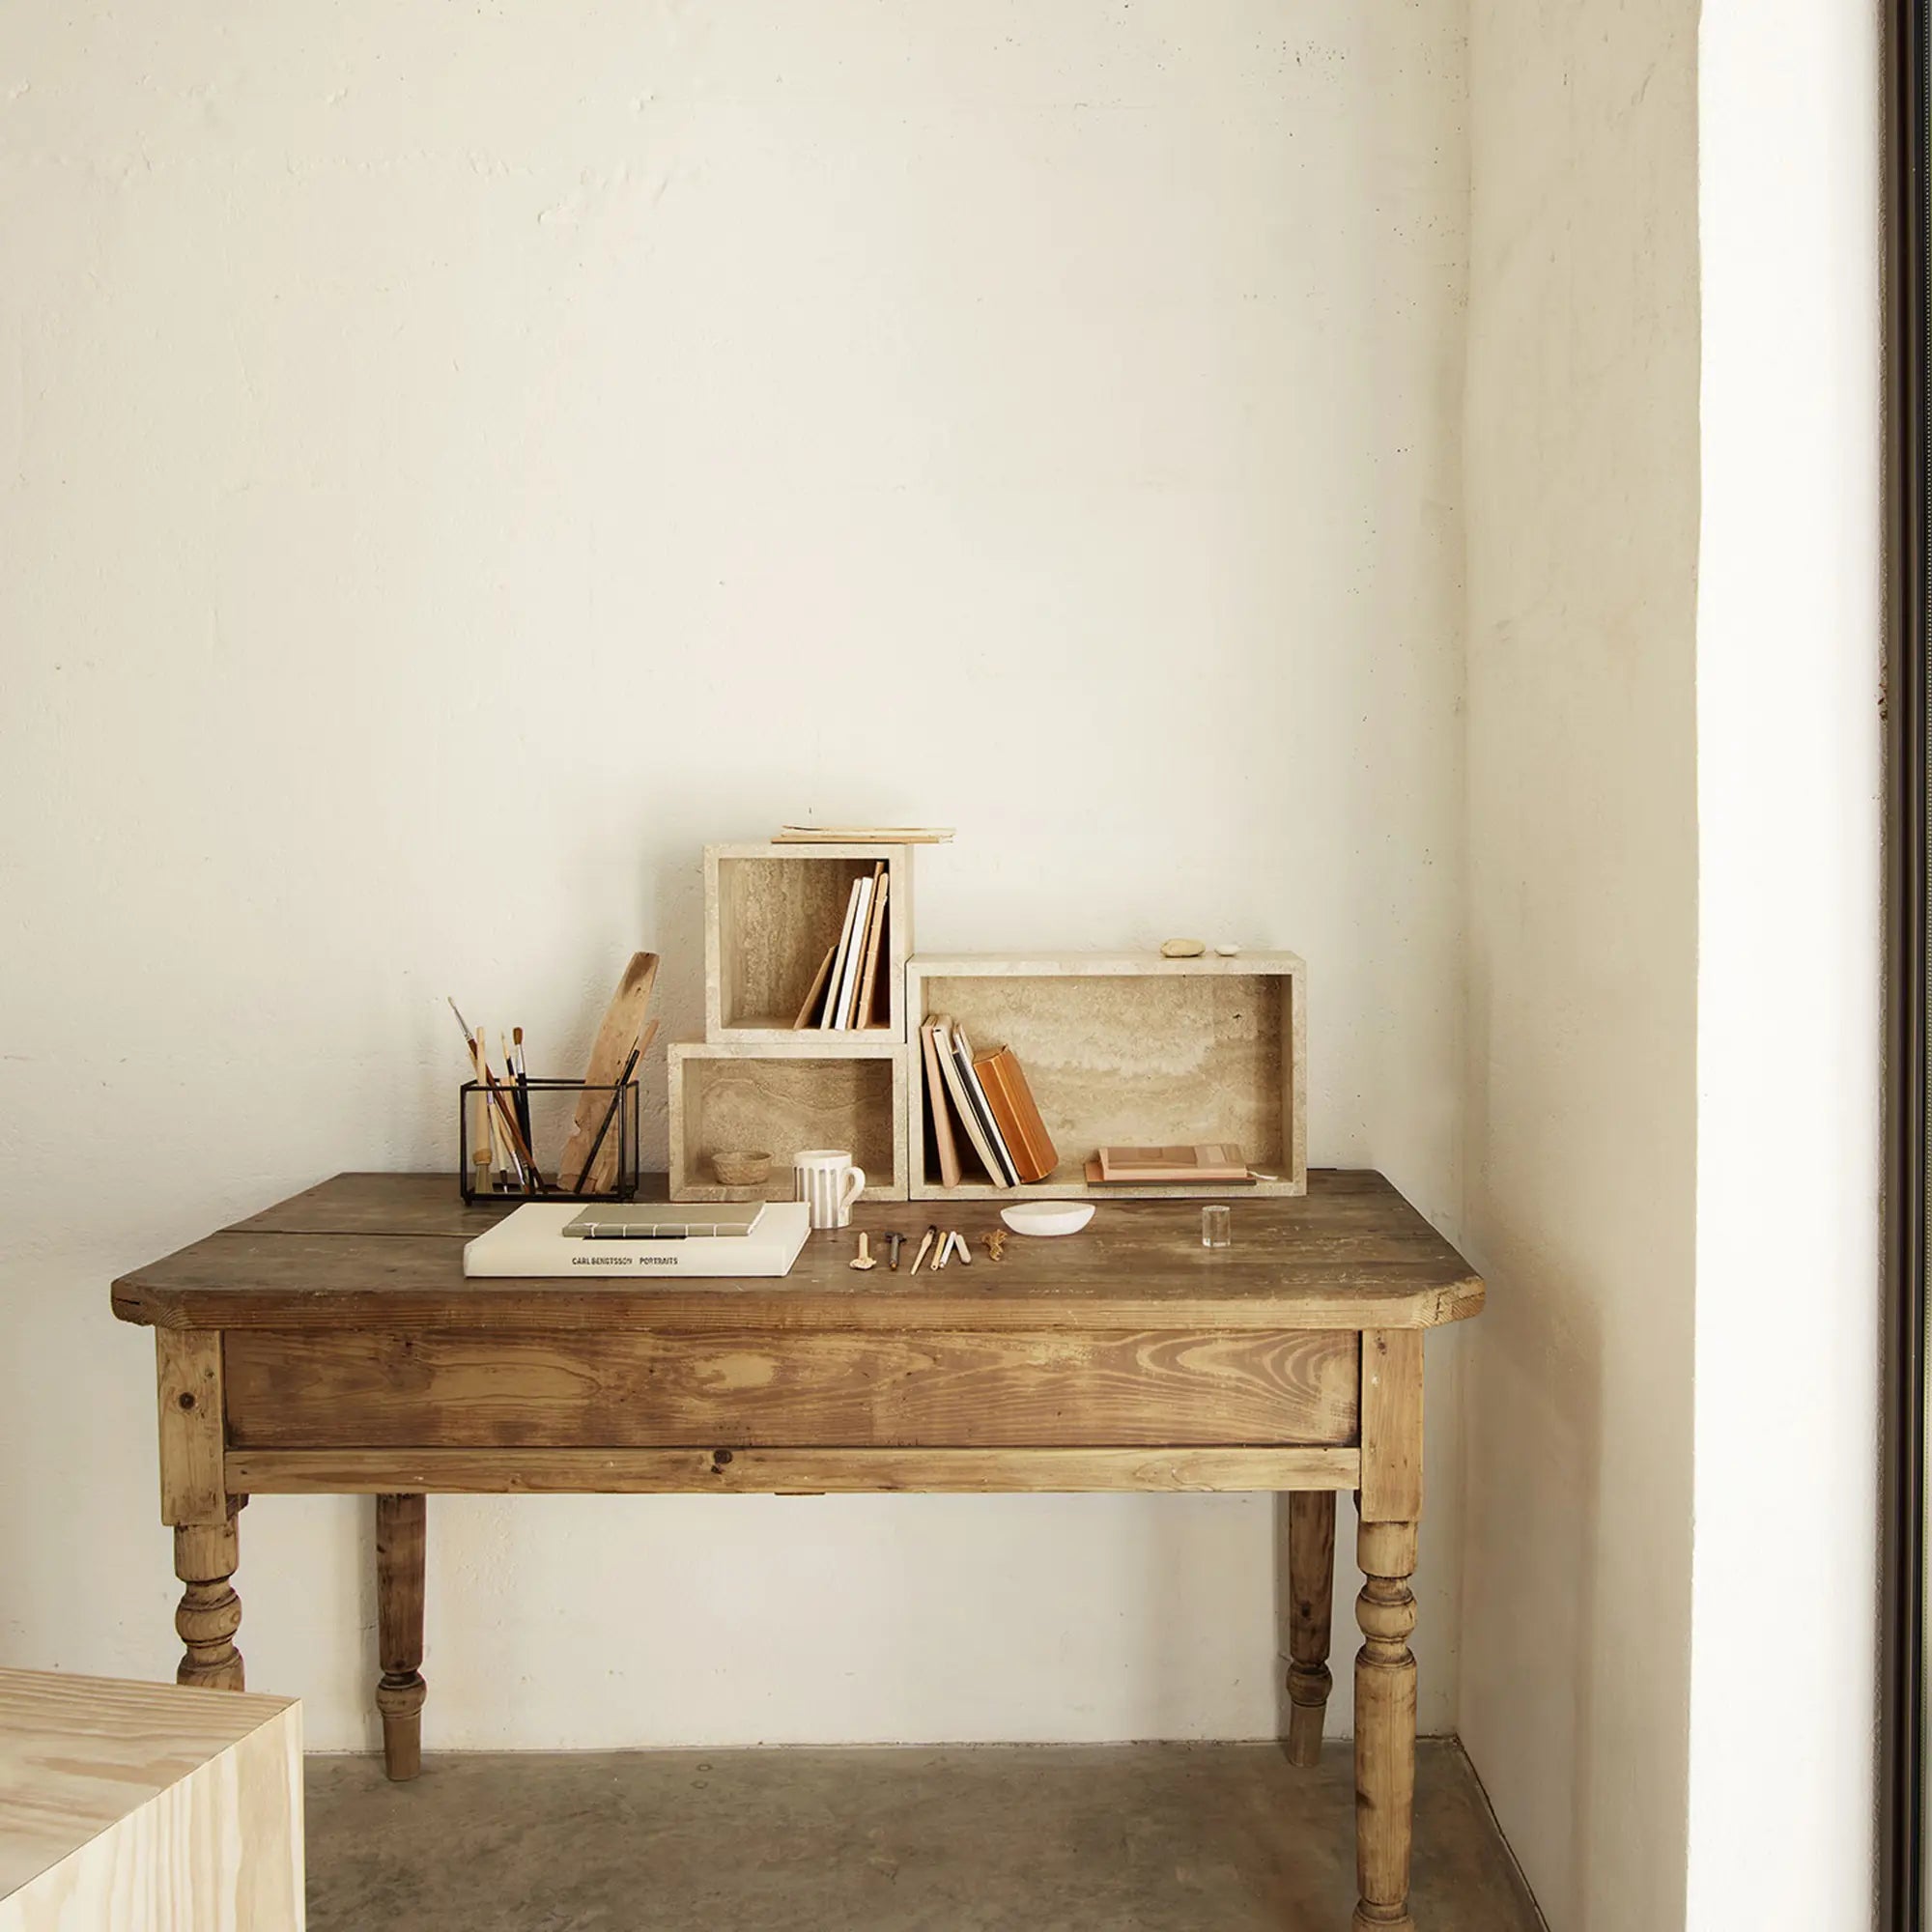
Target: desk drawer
321 1390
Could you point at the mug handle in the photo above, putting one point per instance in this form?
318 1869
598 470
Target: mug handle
854 1186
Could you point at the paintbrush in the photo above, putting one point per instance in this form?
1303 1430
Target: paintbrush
527 1177
522 1069
484 1156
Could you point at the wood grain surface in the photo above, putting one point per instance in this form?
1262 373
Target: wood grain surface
621 1028
782 1471
144 1805
969 1390
1391 1426
187 1378
385 1250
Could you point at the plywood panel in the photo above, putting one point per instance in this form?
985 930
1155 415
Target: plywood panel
146 1806
309 1390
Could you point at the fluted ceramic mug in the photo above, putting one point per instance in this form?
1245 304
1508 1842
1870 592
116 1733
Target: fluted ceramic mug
827 1182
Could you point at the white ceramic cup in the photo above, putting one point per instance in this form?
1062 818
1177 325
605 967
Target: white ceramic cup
827 1182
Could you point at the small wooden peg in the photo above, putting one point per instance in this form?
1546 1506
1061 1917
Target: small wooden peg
864 1258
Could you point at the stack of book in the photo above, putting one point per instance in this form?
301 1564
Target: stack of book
557 1237
1217 1161
987 1097
849 989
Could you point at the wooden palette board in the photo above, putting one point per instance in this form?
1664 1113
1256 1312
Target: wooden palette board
623 1022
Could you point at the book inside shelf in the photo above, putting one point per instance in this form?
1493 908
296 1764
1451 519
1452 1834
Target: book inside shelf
802 942
1163 1060
981 1101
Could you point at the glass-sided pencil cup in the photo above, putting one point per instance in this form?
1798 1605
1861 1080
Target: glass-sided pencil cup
548 1140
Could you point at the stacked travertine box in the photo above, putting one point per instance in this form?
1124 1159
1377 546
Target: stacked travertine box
758 1083
1120 1048
1129 1049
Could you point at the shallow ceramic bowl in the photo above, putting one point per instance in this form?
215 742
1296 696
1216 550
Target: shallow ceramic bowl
739 1167
1048 1217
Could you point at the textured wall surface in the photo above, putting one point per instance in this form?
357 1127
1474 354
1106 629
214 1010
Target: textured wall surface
454 462
1581 1127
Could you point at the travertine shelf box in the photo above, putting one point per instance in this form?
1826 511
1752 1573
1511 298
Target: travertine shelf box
780 1098
769 913
1129 1049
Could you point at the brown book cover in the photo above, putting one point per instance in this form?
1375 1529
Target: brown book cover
1012 1102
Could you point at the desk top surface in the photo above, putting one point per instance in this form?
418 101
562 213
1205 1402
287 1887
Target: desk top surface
386 1251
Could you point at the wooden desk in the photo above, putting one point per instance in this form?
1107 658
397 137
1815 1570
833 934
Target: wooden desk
331 1345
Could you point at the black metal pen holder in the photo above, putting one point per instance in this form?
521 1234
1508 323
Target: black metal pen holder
548 1140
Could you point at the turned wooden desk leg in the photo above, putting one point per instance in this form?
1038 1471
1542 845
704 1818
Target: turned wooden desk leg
400 1521
1390 1504
1384 1726
206 1558
196 1506
1311 1586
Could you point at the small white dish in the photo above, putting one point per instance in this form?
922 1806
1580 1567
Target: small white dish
1048 1217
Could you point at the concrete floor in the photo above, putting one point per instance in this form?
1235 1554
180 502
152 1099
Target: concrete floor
1119 1838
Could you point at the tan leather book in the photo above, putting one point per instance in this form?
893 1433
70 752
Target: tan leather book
1011 1103
824 972
1214 1160
864 1015
944 1144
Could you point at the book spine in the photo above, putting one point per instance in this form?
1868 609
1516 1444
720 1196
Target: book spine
616 1258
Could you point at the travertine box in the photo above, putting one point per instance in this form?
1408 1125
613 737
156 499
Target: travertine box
782 1099
770 912
1129 1049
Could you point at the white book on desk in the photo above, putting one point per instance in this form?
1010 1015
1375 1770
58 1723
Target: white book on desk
531 1242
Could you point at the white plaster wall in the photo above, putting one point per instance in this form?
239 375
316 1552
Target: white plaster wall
1788 1032
1581 482
455 462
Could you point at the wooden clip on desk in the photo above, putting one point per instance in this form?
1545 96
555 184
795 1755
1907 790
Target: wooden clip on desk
332 1346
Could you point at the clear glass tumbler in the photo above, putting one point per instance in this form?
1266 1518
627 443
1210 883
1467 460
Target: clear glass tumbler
1217 1227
